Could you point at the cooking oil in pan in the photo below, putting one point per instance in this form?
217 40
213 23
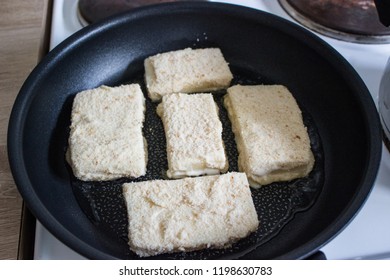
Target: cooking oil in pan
275 204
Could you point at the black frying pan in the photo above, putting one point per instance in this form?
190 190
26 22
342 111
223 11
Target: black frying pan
261 48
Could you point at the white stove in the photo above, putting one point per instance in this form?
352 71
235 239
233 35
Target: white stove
368 235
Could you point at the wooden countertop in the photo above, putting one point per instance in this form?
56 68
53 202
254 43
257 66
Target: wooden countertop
22 32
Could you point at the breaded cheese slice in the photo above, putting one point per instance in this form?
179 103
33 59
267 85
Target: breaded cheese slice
187 71
189 214
272 141
194 135
106 140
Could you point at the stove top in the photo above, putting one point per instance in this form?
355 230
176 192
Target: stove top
368 235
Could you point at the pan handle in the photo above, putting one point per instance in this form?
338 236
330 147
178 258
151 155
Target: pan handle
383 9
319 255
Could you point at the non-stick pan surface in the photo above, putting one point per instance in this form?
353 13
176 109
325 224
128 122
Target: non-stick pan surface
260 48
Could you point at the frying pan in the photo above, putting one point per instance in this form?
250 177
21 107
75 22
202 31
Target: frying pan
261 48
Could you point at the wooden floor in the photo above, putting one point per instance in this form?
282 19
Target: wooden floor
21 32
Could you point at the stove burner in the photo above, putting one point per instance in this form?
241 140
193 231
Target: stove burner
353 20
91 11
